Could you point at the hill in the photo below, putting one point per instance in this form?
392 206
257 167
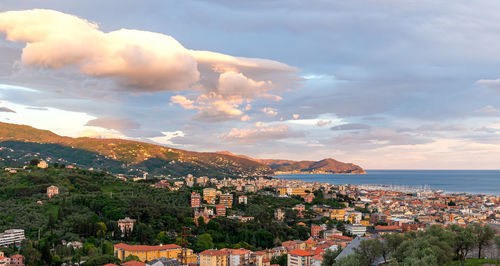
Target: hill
20 143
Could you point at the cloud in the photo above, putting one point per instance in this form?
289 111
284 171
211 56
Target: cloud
115 123
352 126
146 62
488 110
261 132
167 136
490 83
323 123
269 111
89 133
440 127
295 116
378 137
7 110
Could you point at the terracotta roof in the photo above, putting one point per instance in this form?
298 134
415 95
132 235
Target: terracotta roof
144 247
239 251
110 264
310 241
133 263
16 256
212 252
388 227
300 252
342 237
318 257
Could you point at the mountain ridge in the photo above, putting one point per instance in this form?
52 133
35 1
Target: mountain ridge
142 157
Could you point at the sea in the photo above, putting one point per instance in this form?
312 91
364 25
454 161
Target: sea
450 181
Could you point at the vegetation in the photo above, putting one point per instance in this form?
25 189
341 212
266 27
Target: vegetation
435 246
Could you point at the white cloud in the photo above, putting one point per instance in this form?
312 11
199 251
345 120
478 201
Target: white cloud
261 132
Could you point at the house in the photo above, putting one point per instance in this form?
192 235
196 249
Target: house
126 225
209 195
243 200
239 257
148 253
42 164
4 261
213 257
133 263
220 210
16 260
226 200
356 229
195 200
316 230
52 190
279 215
299 257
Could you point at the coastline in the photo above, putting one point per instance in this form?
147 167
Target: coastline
481 182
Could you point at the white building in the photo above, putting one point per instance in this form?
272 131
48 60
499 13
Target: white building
11 237
356 229
243 200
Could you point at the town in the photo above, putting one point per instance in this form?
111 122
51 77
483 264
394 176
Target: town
335 218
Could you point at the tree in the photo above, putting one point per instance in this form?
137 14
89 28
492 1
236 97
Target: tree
281 260
101 260
102 230
350 260
463 241
204 242
34 162
131 257
497 241
369 250
484 234
31 255
329 256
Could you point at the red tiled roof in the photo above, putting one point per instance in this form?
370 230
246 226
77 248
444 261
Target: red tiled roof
16 256
300 252
145 248
342 237
211 252
388 227
110 264
318 257
239 251
133 263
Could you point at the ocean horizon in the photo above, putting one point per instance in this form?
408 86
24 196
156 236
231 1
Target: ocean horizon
450 181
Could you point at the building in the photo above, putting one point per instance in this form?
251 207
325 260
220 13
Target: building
329 234
243 200
299 257
220 210
356 229
42 164
239 257
126 225
52 190
164 262
308 198
279 215
11 237
4 261
209 195
316 230
226 200
195 200
16 260
378 218
149 253
338 214
250 188
214 258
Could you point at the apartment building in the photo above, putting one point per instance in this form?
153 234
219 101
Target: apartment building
11 237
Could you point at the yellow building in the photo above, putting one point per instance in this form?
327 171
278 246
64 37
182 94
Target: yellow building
294 191
148 253
226 200
209 195
214 258
338 214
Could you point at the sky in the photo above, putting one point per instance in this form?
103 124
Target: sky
384 84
